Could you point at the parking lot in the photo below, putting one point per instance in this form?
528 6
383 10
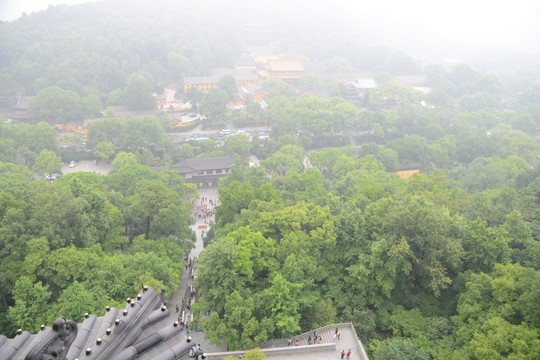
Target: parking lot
102 167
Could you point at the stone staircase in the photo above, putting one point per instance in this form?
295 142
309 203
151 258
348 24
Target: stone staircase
326 333
327 336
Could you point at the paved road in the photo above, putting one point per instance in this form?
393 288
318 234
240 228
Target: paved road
199 132
103 167
186 281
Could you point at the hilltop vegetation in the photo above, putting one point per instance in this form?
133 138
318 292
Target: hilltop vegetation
422 263
87 241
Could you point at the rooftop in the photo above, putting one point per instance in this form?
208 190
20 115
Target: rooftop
364 83
413 166
142 330
23 102
197 164
285 65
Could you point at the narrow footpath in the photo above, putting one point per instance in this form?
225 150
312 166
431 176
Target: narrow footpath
180 299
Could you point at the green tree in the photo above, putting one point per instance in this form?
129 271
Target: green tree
75 301
399 349
194 96
108 129
117 97
255 354
281 302
56 105
143 133
277 87
392 94
48 162
186 151
139 93
57 205
413 250
28 155
281 163
216 273
239 144
123 159
214 104
525 250
31 303
310 81
325 160
323 313
153 270
179 65
36 137
126 179
92 105
155 211
254 111
485 246
499 339
104 150
228 84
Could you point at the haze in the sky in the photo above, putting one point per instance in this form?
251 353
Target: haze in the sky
12 9
501 26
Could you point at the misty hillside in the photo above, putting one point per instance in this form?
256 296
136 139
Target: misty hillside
94 47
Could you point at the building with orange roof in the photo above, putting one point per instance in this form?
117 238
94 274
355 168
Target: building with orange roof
406 171
289 70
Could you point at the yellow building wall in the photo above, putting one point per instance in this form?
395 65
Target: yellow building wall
405 174
202 87
259 96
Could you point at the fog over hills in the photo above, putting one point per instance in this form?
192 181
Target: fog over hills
493 33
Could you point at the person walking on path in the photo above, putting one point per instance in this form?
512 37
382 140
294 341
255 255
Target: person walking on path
342 353
338 335
177 308
349 354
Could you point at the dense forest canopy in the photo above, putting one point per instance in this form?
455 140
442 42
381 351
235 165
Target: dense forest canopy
442 265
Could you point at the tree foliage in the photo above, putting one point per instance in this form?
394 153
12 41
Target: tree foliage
56 105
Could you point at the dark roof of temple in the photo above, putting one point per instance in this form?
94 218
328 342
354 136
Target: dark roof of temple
142 330
413 166
199 164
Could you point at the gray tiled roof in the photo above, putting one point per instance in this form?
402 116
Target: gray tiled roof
197 164
364 83
209 163
23 102
142 330
413 166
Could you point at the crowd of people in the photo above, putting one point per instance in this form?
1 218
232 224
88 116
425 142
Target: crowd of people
204 209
